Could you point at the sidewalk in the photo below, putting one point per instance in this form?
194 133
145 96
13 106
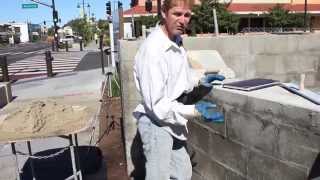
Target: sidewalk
77 85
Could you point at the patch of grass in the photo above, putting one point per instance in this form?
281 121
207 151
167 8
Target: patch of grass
115 86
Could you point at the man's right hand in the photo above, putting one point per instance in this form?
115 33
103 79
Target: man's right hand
209 111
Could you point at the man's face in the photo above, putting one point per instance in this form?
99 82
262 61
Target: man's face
176 19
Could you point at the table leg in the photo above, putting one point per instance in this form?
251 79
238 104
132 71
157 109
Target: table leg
77 156
31 161
74 168
14 152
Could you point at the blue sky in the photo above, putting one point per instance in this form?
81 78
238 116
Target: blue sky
11 10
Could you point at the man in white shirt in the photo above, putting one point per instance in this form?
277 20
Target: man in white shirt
162 74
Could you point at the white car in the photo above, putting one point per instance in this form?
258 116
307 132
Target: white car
68 38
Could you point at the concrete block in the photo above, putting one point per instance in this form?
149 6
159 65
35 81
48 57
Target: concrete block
309 43
221 149
235 45
257 45
300 147
128 49
218 128
234 100
262 167
229 153
239 64
275 44
204 166
129 90
299 117
5 93
199 136
311 79
298 63
268 64
201 43
253 132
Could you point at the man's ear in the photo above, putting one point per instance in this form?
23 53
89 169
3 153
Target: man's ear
163 14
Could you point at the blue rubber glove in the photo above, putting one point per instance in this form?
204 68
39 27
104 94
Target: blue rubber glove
209 111
206 81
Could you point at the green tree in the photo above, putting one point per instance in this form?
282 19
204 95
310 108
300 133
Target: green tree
103 27
278 17
203 21
81 27
281 17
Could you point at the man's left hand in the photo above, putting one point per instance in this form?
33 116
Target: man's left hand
206 81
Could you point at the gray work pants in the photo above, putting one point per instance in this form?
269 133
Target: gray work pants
166 157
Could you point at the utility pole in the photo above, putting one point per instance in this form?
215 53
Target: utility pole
215 19
305 14
216 28
83 10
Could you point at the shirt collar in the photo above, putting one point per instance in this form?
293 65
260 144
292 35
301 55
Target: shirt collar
167 43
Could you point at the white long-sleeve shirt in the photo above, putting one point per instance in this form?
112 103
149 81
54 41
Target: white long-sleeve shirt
162 73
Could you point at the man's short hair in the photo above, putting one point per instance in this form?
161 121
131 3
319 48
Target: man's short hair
168 4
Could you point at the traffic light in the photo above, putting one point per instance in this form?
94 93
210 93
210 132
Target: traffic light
148 5
55 16
108 8
119 5
44 22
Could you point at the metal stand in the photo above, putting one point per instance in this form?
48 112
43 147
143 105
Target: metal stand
31 161
74 159
14 152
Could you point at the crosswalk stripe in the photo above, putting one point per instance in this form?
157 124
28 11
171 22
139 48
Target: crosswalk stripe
40 68
36 65
33 61
42 64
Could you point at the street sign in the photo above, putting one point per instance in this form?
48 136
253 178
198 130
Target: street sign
29 6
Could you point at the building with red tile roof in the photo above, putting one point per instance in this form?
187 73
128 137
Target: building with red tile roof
251 12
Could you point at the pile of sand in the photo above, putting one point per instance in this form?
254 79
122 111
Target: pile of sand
44 117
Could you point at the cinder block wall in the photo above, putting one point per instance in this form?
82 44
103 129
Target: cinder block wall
262 138
252 144
130 99
280 57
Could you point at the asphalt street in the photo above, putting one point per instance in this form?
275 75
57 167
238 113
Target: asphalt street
21 51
